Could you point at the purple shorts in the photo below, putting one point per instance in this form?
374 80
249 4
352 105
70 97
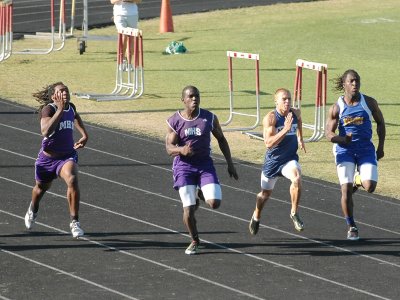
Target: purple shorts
188 174
47 168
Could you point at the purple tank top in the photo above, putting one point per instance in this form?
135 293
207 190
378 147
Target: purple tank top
197 132
61 140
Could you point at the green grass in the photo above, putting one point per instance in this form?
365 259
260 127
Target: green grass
358 34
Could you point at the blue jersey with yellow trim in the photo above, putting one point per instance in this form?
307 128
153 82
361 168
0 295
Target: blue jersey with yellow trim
356 119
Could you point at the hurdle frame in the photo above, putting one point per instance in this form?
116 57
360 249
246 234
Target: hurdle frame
127 87
83 40
6 35
232 112
49 35
320 96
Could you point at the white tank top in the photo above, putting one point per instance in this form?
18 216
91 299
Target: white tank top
125 9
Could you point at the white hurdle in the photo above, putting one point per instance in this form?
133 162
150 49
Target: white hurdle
129 80
320 96
50 35
232 112
6 36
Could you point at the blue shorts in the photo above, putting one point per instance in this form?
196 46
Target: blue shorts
188 174
356 156
47 168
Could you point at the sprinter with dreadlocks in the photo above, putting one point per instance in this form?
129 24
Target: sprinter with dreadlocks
57 156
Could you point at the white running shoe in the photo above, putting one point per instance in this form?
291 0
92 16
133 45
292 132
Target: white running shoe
76 229
30 218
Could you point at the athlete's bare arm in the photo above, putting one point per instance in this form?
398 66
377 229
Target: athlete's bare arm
331 126
271 138
380 125
171 145
224 146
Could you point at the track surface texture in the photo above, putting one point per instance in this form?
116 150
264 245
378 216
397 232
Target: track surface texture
135 239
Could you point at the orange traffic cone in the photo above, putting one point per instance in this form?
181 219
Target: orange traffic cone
166 23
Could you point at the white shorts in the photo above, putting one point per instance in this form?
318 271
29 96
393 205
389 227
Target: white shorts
126 21
210 191
346 170
269 183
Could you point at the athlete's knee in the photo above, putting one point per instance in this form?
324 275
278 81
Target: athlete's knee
188 212
214 203
369 186
41 187
264 195
71 180
296 181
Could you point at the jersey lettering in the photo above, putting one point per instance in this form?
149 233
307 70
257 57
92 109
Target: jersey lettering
293 129
193 131
66 125
355 121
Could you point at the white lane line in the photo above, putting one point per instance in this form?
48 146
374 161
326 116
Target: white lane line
65 272
214 244
235 188
363 195
125 253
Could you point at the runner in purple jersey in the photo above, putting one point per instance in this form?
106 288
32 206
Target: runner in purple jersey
282 131
355 154
57 156
188 141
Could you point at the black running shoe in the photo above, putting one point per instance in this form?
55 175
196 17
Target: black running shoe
253 226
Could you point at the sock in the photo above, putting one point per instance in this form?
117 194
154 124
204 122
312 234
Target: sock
31 209
255 219
350 221
74 218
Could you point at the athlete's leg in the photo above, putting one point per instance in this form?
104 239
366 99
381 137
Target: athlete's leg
212 194
188 198
38 191
369 176
345 171
267 185
292 171
69 172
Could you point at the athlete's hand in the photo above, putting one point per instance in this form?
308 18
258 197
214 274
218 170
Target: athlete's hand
302 145
187 150
348 138
59 99
81 143
232 171
288 122
379 154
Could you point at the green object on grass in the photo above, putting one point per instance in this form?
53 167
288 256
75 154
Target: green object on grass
175 48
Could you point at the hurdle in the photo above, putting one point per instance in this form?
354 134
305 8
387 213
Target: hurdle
318 127
232 111
83 40
51 35
129 79
6 36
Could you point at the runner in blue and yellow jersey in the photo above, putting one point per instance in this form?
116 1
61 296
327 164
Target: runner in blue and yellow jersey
355 154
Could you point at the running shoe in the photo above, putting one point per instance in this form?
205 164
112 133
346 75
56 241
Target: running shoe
253 226
76 229
30 218
298 223
356 181
352 234
193 248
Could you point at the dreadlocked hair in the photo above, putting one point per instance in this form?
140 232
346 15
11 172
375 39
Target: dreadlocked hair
339 81
44 96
